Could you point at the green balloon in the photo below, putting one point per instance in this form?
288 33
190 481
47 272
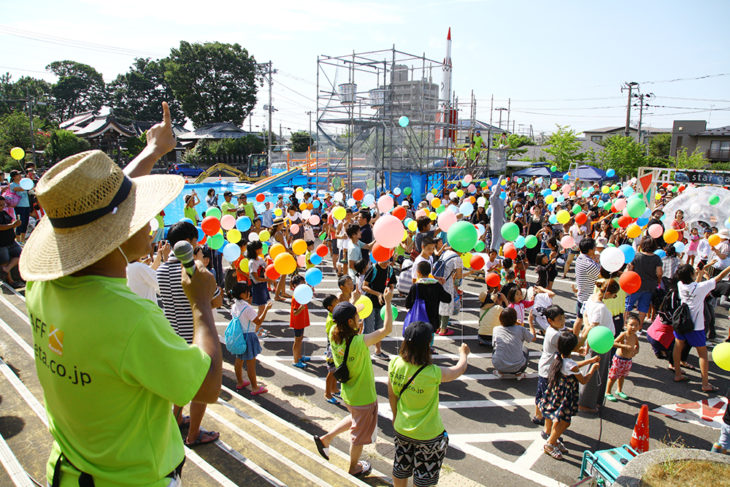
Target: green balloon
407 190
614 223
531 241
714 199
510 231
216 241
576 209
483 184
264 248
440 209
479 246
607 205
530 195
636 208
214 212
553 168
600 339
393 307
462 236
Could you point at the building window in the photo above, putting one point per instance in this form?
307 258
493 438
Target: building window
720 150
596 138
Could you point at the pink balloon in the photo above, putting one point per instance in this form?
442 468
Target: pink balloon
656 231
421 213
314 219
579 193
228 222
472 188
301 261
385 203
446 219
294 228
620 204
468 178
567 242
388 231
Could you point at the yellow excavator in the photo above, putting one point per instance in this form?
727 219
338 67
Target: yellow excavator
257 166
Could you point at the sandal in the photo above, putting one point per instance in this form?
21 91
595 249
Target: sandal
365 469
610 397
553 451
212 436
245 384
621 395
711 389
300 365
323 450
684 378
687 366
561 446
538 421
184 423
260 390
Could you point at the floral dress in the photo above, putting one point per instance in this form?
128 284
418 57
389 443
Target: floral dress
560 402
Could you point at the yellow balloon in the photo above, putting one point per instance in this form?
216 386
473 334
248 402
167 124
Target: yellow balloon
277 212
432 215
364 307
563 217
436 202
299 247
405 235
339 213
264 235
605 190
243 265
233 235
549 199
412 225
633 231
285 263
435 191
553 186
17 153
721 356
302 206
504 182
466 259
275 250
713 240
657 196
459 193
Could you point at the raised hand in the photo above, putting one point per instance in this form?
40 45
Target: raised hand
160 137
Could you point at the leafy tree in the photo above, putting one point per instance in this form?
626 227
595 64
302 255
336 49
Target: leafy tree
215 82
138 94
683 160
659 145
79 88
301 141
514 141
623 154
64 143
564 147
208 152
22 89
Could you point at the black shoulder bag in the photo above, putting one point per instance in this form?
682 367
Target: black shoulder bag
342 373
408 382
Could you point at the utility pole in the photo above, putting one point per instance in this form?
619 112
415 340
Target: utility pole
641 104
500 110
509 111
628 86
268 74
311 139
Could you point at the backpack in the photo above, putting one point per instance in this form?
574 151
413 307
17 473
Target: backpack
439 267
234 336
405 278
416 313
11 197
673 312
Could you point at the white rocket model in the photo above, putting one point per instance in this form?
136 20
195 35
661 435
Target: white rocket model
446 70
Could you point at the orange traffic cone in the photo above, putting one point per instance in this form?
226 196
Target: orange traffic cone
640 436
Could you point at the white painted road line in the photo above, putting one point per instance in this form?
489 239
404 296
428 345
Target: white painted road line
12 466
451 356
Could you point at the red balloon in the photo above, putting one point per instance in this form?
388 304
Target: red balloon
581 218
321 250
509 250
260 197
493 280
271 273
476 262
630 282
381 254
624 221
210 225
202 242
358 194
399 212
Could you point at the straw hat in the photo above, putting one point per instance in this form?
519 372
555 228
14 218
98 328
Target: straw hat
91 208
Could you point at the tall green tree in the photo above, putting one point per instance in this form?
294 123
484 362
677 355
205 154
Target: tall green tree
14 95
659 145
301 141
623 154
685 160
79 88
215 82
63 144
564 146
137 94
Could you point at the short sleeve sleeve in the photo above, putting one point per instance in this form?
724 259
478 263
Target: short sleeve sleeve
159 360
249 314
594 314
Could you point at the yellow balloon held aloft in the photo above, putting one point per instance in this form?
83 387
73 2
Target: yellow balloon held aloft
434 191
466 259
412 225
299 247
633 231
243 265
504 182
432 215
339 213
264 235
553 186
671 236
605 189
17 153
563 217
285 263
713 240
549 199
405 235
459 193
721 356
302 206
277 212
233 235
436 202
275 250
364 307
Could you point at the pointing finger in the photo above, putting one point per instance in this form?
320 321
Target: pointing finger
166 117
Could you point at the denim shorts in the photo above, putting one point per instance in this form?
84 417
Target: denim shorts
695 338
640 301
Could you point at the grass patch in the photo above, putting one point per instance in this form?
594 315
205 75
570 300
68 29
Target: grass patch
687 473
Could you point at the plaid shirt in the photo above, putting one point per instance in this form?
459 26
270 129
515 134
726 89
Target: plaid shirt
669 266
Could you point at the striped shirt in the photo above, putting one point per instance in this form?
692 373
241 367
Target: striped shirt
587 271
175 304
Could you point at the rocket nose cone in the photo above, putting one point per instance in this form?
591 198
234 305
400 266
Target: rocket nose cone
448 37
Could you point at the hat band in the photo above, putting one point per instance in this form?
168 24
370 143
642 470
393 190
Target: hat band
93 215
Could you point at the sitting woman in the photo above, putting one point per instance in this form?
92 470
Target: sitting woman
510 354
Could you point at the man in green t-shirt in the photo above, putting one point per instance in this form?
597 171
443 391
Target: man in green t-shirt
109 363
246 206
228 208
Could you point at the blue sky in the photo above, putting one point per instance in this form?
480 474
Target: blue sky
557 60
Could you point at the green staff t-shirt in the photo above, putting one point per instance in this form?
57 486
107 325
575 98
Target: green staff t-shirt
228 208
360 389
111 367
418 408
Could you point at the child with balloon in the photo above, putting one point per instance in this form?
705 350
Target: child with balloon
299 319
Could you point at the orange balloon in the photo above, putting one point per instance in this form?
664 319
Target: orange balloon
276 249
714 240
302 206
671 236
299 246
633 231
285 263
436 202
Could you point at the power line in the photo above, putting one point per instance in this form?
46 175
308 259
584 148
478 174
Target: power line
705 76
694 99
296 92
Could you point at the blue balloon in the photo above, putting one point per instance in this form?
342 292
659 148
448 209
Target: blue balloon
231 252
679 247
610 173
187 220
201 234
565 177
303 294
313 276
519 242
368 200
560 198
316 204
315 259
243 223
660 253
629 253
642 221
727 223
553 219
628 191
466 208
403 121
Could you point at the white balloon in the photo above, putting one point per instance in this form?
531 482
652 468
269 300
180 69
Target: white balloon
338 196
429 196
612 259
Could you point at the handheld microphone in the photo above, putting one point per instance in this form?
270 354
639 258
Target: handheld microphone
183 251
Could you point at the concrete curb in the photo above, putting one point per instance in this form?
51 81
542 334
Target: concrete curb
635 469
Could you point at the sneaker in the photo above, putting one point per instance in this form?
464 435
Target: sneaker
300 365
333 400
610 397
445 332
621 395
498 374
305 359
383 355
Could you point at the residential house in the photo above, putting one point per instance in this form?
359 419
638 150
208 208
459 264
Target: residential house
600 135
694 134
